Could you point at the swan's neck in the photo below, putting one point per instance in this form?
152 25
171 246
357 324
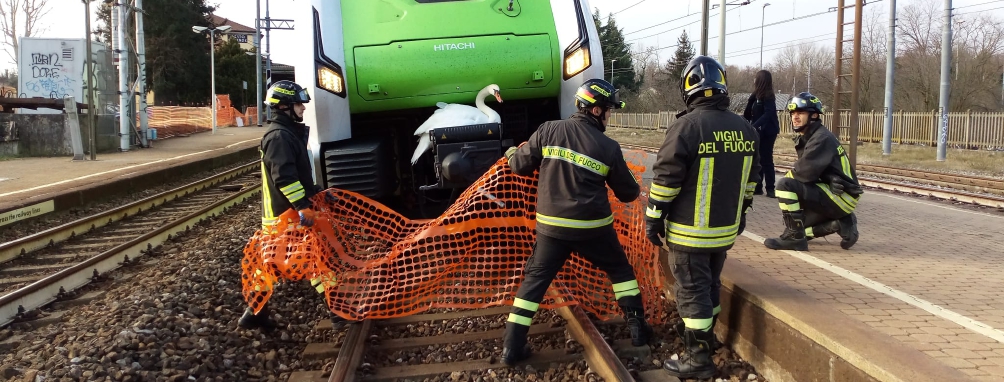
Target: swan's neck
493 116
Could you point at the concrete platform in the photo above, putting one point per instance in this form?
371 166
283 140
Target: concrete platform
918 298
67 183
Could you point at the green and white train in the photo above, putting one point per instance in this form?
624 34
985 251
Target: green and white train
376 70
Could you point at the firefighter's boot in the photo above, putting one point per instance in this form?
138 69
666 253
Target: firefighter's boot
641 332
848 231
824 229
250 320
793 237
695 362
715 344
514 347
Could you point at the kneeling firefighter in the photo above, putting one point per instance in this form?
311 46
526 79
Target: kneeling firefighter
818 196
577 162
704 177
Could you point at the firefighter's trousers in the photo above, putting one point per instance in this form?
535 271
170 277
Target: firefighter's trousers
698 282
549 255
816 201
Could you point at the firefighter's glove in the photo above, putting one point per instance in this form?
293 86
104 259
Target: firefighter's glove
330 197
307 217
655 230
509 153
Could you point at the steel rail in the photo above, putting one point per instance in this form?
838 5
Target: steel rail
50 288
14 248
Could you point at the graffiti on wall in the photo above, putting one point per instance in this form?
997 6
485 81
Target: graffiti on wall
51 75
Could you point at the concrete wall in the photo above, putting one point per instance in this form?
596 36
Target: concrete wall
47 135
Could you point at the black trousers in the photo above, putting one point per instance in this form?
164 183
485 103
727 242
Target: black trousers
550 254
766 162
818 203
697 287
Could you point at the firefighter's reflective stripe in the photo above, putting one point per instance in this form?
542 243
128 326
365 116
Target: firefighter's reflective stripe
293 192
845 164
653 212
793 207
625 289
717 309
786 195
702 324
573 157
747 165
572 223
846 202
321 283
808 232
789 175
705 180
698 237
527 308
266 194
662 193
524 304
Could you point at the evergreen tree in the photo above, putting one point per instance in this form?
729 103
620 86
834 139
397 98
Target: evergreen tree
233 67
177 60
103 31
615 48
684 53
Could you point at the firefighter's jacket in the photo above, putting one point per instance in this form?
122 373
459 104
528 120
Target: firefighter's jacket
820 155
576 162
285 169
704 174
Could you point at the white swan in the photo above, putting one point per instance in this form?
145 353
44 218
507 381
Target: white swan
453 114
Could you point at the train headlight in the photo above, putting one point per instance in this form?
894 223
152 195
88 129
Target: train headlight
330 80
576 61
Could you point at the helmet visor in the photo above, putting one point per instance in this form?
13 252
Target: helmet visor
615 100
302 96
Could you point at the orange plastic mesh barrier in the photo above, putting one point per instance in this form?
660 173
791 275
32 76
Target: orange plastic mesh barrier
384 265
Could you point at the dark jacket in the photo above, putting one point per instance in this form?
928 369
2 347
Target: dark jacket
706 168
285 168
576 163
820 155
762 114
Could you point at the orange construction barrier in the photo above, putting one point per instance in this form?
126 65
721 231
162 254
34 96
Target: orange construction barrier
378 264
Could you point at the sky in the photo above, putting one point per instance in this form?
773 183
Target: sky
639 20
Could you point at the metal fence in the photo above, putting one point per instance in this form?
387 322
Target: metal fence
969 130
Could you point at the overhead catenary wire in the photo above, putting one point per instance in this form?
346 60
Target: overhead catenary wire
629 7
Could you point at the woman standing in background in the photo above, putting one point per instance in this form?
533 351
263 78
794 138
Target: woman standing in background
761 112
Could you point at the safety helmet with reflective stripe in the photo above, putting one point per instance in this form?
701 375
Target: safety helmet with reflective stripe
703 77
598 92
286 93
805 101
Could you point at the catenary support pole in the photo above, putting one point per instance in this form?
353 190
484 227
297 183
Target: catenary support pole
946 65
268 50
144 122
92 136
257 53
890 70
721 33
705 8
125 123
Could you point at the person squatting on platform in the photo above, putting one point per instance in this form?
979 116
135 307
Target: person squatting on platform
576 162
286 176
704 176
819 194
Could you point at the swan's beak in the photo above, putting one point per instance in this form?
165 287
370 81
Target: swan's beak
498 97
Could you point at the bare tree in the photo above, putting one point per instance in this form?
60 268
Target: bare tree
20 18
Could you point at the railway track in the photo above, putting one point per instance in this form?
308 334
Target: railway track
969 189
47 266
364 353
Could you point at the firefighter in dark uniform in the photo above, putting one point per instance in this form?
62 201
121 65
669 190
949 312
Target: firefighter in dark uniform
576 162
286 176
704 176
819 194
